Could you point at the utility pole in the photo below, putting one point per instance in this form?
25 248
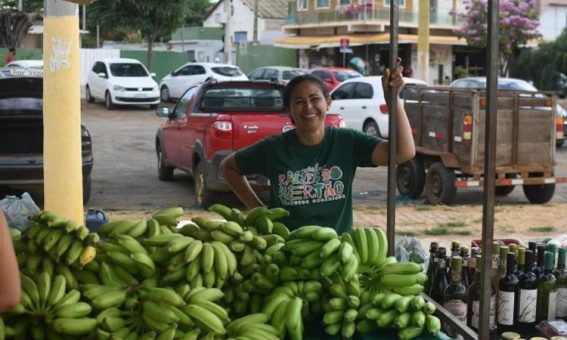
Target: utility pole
255 33
20 6
423 41
228 32
62 164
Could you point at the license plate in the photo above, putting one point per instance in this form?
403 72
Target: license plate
140 95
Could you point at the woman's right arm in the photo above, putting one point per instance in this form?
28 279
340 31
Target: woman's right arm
238 182
10 290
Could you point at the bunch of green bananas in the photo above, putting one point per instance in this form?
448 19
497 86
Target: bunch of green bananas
47 309
252 326
411 315
341 306
163 222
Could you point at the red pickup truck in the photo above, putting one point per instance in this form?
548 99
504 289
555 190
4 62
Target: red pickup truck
214 119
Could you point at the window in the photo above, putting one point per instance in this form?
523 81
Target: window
363 91
257 74
302 4
344 2
182 107
344 91
197 69
226 71
323 4
241 36
241 98
128 70
270 74
402 3
185 71
322 75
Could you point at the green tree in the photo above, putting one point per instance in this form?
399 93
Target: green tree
150 17
14 26
542 63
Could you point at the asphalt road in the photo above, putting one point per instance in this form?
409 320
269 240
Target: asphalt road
125 168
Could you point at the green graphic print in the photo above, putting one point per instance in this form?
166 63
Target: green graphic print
314 184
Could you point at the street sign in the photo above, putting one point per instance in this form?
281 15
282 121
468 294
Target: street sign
345 43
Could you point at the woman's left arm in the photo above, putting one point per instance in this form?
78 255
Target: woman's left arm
405 148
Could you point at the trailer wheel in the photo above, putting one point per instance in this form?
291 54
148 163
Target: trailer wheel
505 190
411 178
440 184
539 194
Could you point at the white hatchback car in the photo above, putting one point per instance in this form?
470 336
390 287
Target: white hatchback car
29 63
361 103
177 82
121 81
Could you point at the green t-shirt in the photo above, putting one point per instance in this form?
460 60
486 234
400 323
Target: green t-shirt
313 182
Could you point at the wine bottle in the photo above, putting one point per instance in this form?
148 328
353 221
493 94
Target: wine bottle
455 293
513 248
561 277
440 281
507 288
495 264
465 268
546 292
475 252
455 248
473 300
501 271
532 246
433 260
540 263
521 261
527 295
552 248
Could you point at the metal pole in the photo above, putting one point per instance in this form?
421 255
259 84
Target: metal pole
20 6
62 171
392 132
84 17
97 35
489 167
228 32
423 41
255 30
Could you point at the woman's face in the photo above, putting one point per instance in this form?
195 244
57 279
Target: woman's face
308 107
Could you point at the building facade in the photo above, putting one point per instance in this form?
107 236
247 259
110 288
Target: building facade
553 18
316 28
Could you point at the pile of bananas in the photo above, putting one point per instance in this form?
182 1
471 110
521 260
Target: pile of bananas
243 275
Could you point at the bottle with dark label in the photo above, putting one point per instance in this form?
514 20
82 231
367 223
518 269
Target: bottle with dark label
455 293
473 300
465 268
546 292
433 260
440 281
540 262
521 259
561 277
507 288
527 295
501 271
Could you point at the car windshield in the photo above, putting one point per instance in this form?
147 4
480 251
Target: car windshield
226 71
344 75
519 85
128 70
242 99
287 75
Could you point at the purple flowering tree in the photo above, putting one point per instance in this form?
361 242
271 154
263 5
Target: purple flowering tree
518 24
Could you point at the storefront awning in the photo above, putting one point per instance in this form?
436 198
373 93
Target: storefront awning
313 41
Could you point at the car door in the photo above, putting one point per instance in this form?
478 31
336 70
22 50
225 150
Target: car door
177 81
98 82
256 74
368 107
192 126
176 130
342 103
271 75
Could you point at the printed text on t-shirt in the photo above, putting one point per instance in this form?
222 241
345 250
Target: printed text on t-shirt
314 184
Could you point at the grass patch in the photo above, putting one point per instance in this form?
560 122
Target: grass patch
407 233
544 229
462 232
457 224
437 231
423 207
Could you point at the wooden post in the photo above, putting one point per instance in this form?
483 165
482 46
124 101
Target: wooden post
62 111
423 41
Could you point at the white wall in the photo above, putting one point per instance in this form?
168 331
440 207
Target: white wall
552 21
438 55
88 57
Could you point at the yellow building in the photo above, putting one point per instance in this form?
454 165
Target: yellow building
316 27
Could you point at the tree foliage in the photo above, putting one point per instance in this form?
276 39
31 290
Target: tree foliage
151 18
518 24
542 63
14 26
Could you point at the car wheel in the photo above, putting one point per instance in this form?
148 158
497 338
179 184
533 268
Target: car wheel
164 94
371 128
410 178
440 184
539 194
203 196
559 143
86 189
165 172
108 101
88 96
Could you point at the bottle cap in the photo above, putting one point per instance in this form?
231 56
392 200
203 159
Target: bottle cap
562 253
456 263
433 246
529 259
521 255
552 247
549 257
510 336
503 251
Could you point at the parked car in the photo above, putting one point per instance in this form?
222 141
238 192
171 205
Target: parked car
175 84
517 85
559 84
213 119
25 64
361 103
283 74
333 76
21 134
121 81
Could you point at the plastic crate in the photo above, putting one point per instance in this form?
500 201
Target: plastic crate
506 241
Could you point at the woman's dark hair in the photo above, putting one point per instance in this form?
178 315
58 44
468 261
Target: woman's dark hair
295 81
